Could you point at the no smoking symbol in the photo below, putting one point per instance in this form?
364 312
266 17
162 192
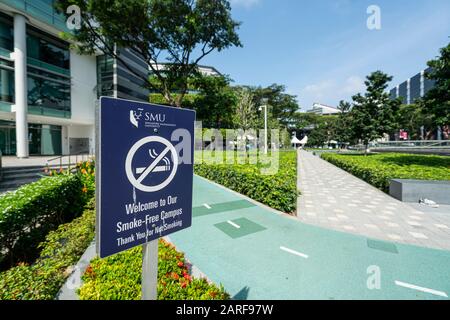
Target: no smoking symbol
152 165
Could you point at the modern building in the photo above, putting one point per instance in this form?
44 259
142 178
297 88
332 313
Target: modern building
412 89
48 92
323 110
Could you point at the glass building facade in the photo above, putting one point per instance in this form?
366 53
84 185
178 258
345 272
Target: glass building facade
427 83
6 65
48 85
114 79
403 92
414 88
43 139
48 95
42 10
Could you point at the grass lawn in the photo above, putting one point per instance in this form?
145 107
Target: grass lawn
378 169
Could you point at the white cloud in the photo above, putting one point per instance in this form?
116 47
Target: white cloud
331 91
318 90
244 3
353 85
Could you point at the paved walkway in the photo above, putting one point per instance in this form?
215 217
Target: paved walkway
335 199
259 254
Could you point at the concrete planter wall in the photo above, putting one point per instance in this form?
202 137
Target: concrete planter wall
407 190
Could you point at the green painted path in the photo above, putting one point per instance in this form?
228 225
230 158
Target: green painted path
258 254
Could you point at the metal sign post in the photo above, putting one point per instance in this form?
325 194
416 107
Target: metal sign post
144 179
150 270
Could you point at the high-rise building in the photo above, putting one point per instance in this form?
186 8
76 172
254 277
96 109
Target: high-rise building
48 92
412 89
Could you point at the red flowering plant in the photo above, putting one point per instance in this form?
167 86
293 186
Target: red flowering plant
86 171
119 277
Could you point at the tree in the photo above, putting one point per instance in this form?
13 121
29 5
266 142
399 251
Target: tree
245 116
437 101
320 129
283 106
318 136
412 117
177 32
215 101
343 130
374 113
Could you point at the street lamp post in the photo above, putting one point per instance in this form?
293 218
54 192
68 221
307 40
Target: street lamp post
265 124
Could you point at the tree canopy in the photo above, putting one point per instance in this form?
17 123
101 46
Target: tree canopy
437 101
179 33
374 113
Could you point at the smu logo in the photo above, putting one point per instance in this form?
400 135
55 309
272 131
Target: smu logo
136 116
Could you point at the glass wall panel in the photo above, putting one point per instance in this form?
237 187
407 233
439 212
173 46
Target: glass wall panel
403 92
7 137
6 85
6 34
43 139
50 51
50 94
105 75
51 141
414 88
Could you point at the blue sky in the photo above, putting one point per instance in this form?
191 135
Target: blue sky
322 50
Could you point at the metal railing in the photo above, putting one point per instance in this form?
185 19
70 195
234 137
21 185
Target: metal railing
416 144
78 157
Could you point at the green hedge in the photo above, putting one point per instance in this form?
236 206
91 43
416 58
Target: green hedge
379 169
30 212
119 278
59 252
278 191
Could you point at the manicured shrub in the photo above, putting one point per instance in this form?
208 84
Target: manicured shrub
119 278
278 191
30 212
379 169
59 252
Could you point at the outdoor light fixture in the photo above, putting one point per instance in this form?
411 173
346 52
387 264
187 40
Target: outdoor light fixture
264 102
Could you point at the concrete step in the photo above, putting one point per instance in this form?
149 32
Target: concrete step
15 177
14 184
18 176
30 170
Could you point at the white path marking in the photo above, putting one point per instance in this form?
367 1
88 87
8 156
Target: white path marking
234 224
294 252
206 206
414 287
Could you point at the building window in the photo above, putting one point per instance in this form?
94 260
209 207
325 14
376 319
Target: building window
6 34
45 93
414 88
6 85
105 76
427 83
403 92
42 139
48 50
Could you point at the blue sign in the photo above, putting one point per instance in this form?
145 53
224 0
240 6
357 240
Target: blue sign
144 173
